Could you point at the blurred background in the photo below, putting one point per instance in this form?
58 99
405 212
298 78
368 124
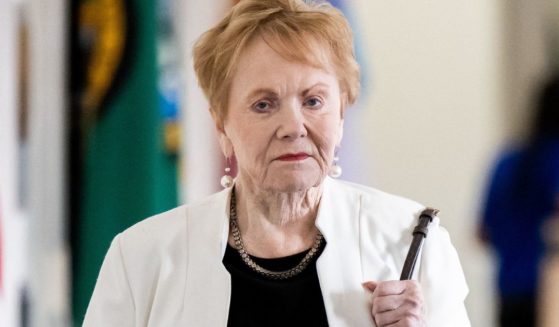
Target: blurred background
102 124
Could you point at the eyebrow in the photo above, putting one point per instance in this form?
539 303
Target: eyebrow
260 91
319 84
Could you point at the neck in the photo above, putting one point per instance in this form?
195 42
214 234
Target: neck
275 224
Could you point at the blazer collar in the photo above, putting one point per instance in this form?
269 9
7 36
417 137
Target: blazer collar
339 267
208 283
337 213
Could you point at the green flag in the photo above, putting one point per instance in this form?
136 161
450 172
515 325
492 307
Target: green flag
126 174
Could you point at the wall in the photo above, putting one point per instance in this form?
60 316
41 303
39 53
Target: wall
435 117
451 84
201 160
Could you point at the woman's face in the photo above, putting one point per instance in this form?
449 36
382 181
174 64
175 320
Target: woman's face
283 122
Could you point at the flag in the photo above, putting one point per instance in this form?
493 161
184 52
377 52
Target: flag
13 227
123 169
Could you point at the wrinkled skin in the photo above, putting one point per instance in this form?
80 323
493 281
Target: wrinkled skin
283 122
279 107
397 303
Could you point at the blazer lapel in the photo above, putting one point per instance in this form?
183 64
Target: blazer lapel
339 267
208 283
349 259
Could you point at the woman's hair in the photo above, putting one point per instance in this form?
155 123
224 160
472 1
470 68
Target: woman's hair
311 32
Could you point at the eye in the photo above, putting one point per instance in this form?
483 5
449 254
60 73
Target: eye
313 103
263 106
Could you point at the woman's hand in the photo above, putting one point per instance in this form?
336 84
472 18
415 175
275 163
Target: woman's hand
397 303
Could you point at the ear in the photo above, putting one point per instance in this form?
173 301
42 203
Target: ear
342 116
341 133
224 141
343 104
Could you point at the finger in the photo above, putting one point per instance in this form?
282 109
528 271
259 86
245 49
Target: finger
401 316
388 318
386 303
394 287
370 285
397 309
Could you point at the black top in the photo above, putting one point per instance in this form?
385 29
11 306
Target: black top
260 301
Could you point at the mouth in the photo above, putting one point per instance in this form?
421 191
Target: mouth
293 156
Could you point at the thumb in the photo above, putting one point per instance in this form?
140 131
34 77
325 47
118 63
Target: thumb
370 285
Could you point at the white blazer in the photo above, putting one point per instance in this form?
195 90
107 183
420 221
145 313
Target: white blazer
167 270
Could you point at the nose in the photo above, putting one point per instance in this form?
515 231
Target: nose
291 122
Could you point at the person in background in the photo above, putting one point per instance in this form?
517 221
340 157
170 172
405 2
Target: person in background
283 244
522 195
548 300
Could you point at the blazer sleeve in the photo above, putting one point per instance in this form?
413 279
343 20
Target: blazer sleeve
441 275
112 302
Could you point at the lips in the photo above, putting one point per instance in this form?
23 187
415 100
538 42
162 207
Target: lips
293 156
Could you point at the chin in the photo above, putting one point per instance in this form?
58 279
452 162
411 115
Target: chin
295 183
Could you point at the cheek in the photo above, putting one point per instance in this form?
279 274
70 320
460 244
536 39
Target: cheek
325 136
249 146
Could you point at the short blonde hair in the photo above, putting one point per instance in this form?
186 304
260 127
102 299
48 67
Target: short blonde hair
314 33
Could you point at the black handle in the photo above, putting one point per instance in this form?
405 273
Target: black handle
419 234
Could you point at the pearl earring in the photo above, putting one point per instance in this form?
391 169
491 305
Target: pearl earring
335 170
227 180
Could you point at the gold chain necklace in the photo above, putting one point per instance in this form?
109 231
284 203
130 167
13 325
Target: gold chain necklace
253 265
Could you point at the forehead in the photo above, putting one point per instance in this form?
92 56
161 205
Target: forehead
261 68
301 47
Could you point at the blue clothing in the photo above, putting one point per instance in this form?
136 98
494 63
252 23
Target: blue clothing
522 195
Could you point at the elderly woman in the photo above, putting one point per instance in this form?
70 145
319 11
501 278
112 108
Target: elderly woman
283 244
